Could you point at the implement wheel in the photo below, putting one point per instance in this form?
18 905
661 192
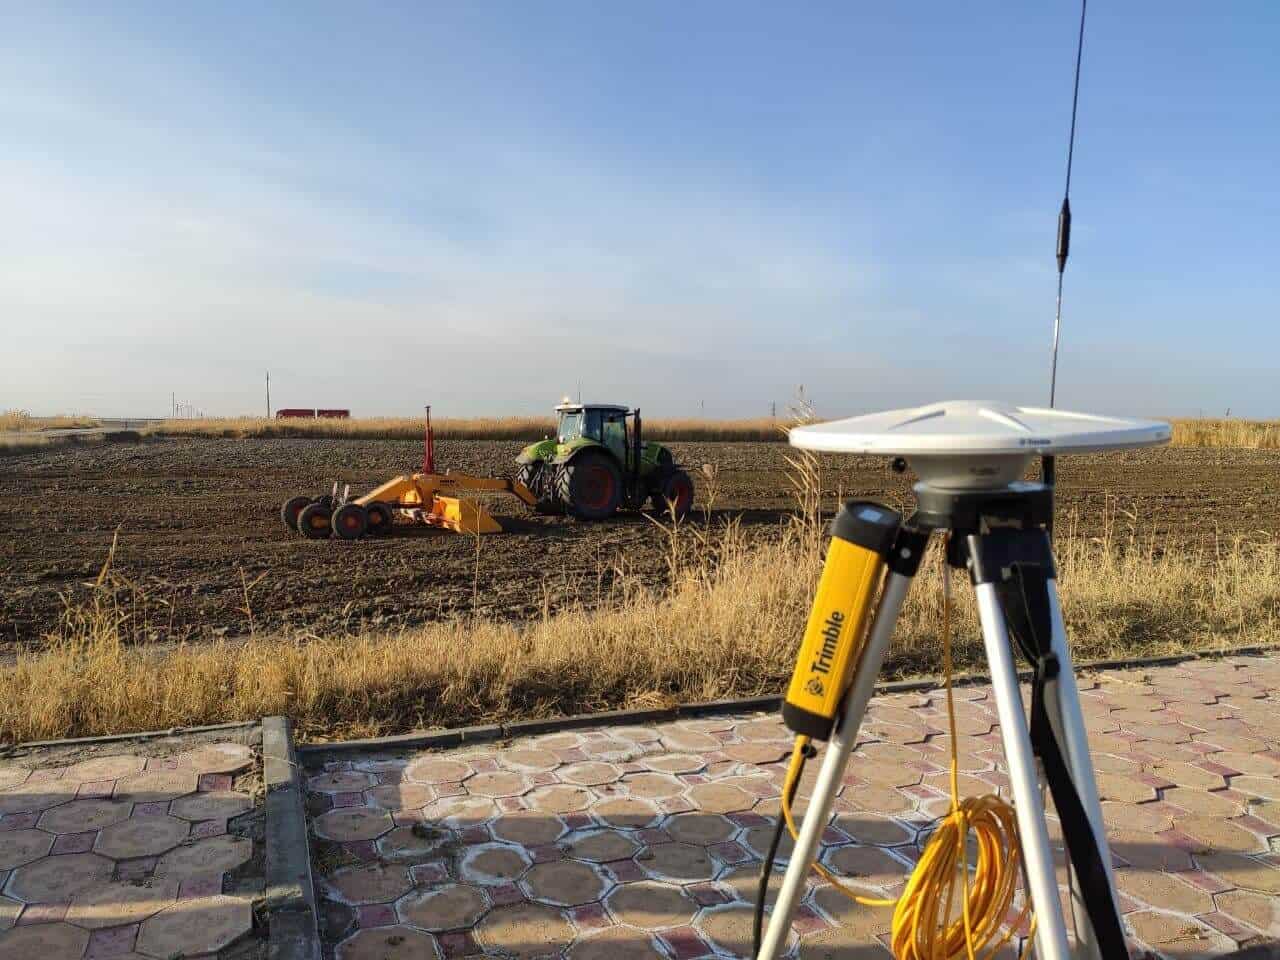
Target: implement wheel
675 491
289 512
350 521
313 522
380 518
591 485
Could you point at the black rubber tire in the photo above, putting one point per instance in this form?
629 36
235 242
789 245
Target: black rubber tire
289 512
314 522
677 486
381 519
350 521
590 485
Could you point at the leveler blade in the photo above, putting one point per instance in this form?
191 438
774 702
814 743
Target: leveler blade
461 516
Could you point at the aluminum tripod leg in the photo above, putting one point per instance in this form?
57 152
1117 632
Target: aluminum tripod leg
1051 929
834 761
1065 714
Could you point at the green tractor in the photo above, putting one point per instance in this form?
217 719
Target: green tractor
599 462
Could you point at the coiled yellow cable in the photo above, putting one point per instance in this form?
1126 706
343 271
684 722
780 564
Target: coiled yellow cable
924 925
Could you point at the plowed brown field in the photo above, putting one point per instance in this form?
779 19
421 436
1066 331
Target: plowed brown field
199 529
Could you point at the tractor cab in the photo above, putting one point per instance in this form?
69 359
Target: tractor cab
604 423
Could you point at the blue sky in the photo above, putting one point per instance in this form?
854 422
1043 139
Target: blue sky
690 207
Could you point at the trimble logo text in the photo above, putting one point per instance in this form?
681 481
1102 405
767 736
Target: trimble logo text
830 638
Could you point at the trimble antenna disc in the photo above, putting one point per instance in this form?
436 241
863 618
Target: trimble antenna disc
967 444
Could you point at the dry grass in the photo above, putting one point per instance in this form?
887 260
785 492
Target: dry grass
727 625
20 421
472 428
1250 434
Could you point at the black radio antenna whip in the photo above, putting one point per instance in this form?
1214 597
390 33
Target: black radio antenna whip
1064 240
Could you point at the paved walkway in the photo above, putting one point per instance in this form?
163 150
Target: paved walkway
123 856
632 842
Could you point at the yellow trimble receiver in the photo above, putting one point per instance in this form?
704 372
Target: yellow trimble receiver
861 536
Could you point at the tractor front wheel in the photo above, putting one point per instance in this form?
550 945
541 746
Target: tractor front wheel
590 485
674 492
350 521
313 521
289 512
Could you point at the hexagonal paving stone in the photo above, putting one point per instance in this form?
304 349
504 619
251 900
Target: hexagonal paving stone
339 781
566 883
353 823
201 925
1115 786
215 855
1147 851
528 759
870 829
1261 913
401 796
212 805
58 879
81 816
1242 871
105 768
413 843
615 943
1257 764
681 862
437 770
1268 787
114 903
217 758
877 799
628 812
498 783
493 864
673 763
700 828
600 846
9 910
771 729
142 837
529 829
451 906
854 934
560 798
652 905
1177 936
1189 775
1162 891
589 773
689 741
459 813
729 928
523 930
652 785
22 846
867 865
372 883
34 796
389 943
43 940
1220 836
759 838
720 798
1204 802
154 786
1135 816
12 776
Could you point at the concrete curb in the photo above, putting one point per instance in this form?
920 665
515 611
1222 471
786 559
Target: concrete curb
6 750
457 736
290 890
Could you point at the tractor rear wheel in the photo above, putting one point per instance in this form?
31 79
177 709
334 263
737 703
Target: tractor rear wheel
289 512
313 521
590 485
380 518
674 491
350 521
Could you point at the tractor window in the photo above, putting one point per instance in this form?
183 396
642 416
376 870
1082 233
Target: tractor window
570 426
615 436
591 427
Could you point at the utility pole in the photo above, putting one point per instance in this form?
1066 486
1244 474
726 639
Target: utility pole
173 405
268 394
